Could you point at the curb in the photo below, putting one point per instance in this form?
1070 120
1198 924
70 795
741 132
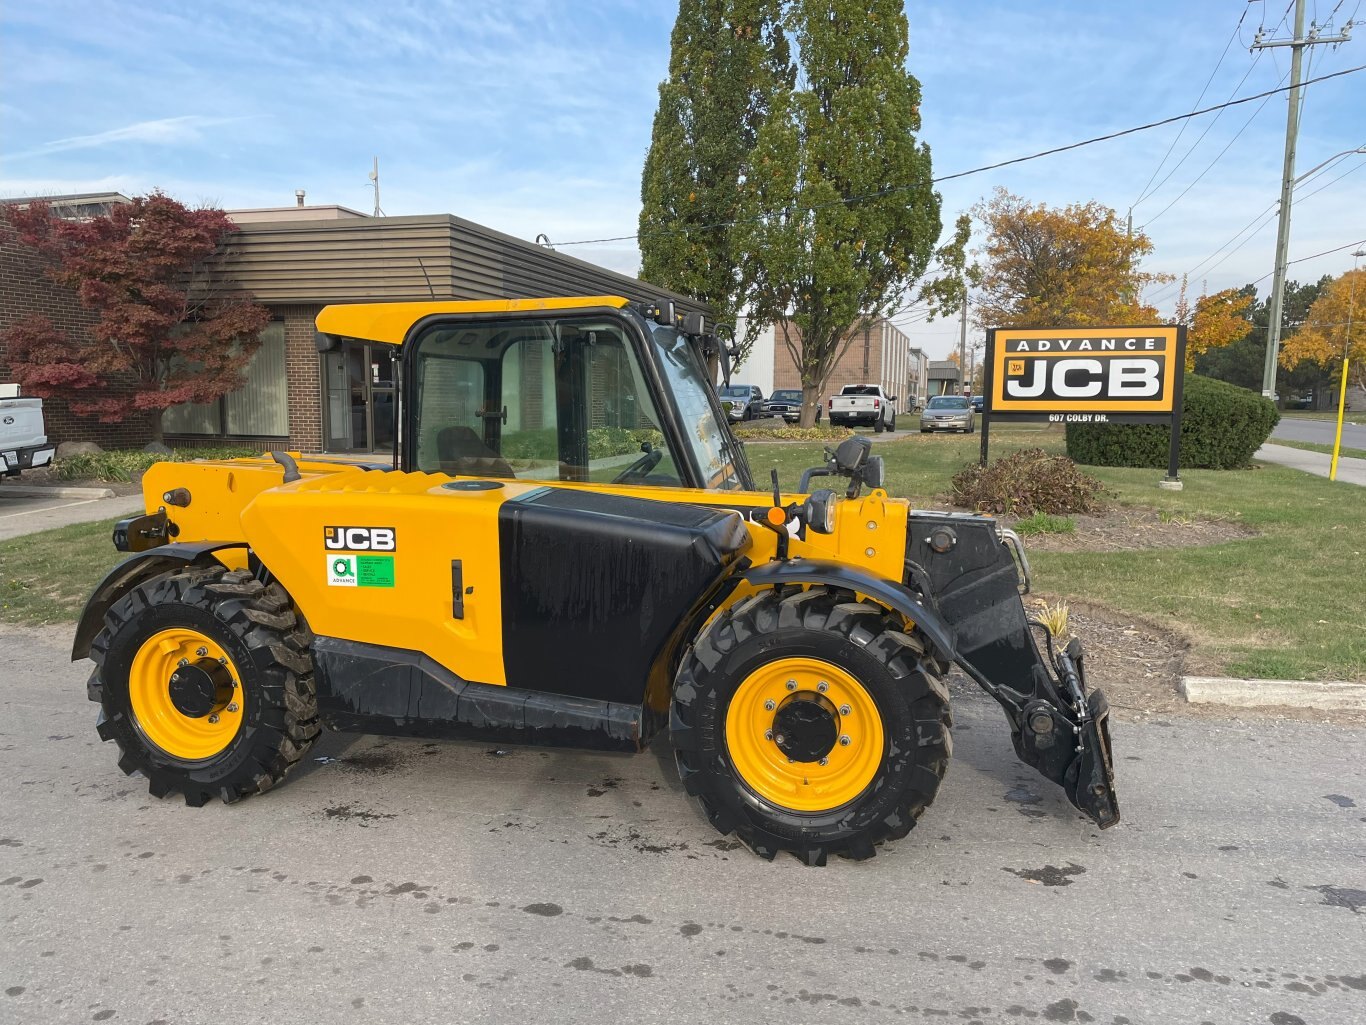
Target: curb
36 491
1329 695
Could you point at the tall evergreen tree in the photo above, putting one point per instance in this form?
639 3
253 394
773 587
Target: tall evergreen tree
729 57
839 216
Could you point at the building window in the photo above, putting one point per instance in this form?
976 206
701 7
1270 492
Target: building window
259 409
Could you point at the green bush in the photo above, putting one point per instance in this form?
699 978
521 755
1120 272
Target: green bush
1026 482
126 465
1221 427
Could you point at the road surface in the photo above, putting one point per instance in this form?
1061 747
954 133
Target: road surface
1320 431
410 882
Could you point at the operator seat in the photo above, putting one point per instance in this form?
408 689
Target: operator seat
460 451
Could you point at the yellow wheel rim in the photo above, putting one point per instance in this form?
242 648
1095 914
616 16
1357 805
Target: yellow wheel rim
204 730
755 719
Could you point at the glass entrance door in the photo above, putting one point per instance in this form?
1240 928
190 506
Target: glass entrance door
358 381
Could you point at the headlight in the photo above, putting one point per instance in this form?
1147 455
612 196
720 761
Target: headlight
819 511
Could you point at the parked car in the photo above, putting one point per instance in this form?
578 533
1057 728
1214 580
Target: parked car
742 401
864 405
948 413
23 439
977 402
787 403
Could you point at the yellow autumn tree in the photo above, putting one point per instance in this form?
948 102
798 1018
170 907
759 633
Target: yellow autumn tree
1073 266
1324 334
1215 321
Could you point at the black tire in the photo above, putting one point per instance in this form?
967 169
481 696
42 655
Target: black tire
818 416
877 426
972 429
892 425
256 626
858 637
924 430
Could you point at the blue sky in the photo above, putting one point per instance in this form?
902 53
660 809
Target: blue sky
535 117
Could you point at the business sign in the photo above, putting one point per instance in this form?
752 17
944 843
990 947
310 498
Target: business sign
1085 375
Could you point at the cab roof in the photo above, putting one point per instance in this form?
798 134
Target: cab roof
390 322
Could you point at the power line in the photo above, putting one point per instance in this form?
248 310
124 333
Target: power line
1210 166
1143 192
965 174
1266 216
1313 256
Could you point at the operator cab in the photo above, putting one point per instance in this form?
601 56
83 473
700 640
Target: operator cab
601 393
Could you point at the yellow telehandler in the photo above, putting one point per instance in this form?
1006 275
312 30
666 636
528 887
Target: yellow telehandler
568 548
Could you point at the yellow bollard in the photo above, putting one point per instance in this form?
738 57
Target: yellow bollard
1342 405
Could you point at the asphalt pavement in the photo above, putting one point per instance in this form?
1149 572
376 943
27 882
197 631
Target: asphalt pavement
21 515
1320 431
412 881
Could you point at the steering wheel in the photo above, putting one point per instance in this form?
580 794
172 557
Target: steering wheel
640 467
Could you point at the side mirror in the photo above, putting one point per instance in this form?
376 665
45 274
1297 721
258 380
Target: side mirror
852 453
891 398
874 472
692 324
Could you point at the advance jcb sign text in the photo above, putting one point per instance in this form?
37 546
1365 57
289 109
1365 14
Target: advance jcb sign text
1085 375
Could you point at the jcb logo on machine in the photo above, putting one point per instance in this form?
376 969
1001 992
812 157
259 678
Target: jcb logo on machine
360 539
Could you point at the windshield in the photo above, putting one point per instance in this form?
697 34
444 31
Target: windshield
718 454
734 391
859 389
948 402
787 396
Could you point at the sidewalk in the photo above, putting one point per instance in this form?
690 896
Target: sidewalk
1350 471
24 514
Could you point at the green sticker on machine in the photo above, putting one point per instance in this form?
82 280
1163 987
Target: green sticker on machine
375 570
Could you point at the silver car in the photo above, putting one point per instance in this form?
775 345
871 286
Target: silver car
948 413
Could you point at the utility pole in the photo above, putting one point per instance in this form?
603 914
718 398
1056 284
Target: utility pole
963 342
1292 127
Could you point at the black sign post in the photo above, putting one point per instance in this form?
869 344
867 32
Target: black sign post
1095 375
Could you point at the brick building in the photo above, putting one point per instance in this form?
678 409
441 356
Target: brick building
876 352
295 261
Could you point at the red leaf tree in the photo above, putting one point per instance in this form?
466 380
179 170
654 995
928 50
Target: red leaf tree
167 331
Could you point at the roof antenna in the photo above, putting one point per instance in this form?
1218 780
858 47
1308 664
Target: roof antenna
424 275
374 182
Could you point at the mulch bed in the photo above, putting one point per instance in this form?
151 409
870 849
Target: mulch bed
1132 529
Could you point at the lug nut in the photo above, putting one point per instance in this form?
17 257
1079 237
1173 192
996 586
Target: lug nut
822 686
214 717
779 739
791 684
845 741
825 761
222 661
845 709
769 705
768 734
183 662
201 652
232 707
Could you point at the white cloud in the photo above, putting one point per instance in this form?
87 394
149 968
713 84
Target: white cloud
166 131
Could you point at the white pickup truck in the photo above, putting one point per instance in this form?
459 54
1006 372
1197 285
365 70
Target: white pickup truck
865 405
23 442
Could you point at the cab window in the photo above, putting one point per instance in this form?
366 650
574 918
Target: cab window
536 400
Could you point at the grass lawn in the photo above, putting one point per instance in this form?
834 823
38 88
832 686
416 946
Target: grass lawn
1289 604
47 577
1314 446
